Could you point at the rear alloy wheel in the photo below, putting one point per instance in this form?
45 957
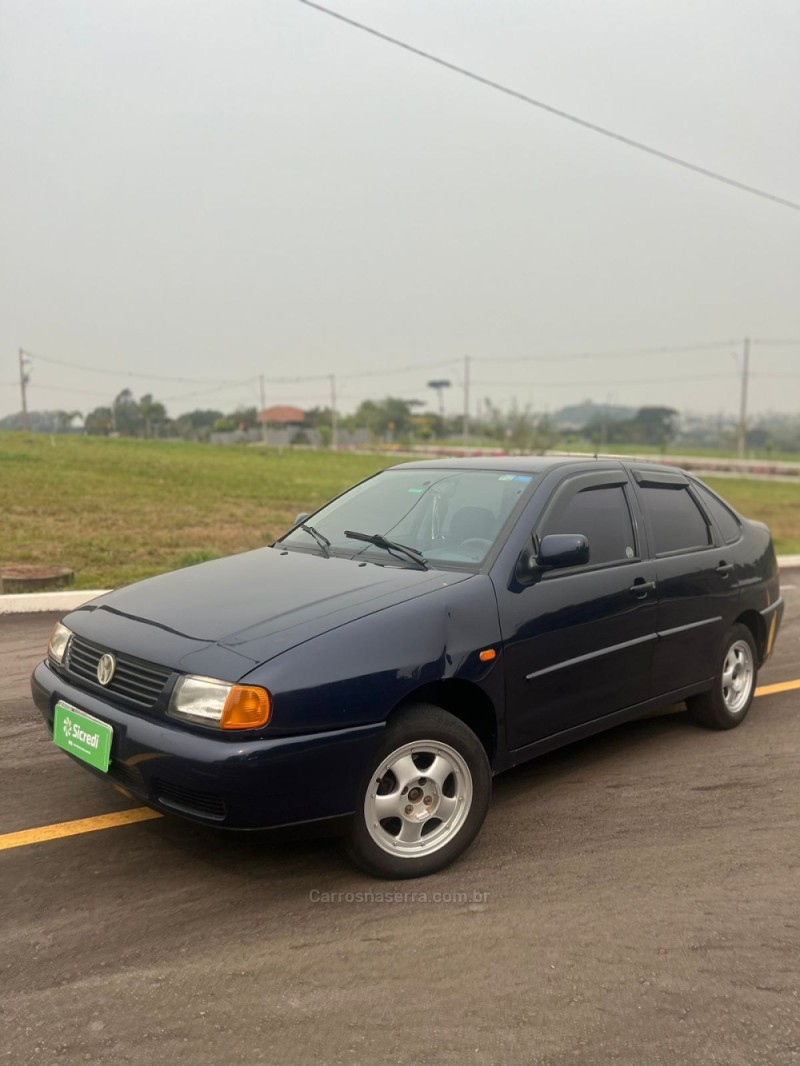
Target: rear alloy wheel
728 702
425 798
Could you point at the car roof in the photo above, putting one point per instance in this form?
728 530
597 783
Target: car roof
530 464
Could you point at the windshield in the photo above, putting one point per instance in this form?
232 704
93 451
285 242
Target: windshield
452 518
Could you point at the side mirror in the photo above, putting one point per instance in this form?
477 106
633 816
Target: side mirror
563 549
302 517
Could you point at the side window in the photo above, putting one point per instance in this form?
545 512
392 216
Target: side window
676 522
602 515
725 519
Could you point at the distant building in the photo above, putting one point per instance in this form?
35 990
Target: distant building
282 415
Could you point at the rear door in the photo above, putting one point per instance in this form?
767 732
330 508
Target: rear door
578 642
693 572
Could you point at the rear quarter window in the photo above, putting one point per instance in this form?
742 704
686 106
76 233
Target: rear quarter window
726 520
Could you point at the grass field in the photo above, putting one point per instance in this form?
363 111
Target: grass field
118 510
115 511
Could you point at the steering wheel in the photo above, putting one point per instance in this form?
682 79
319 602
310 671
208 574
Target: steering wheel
477 545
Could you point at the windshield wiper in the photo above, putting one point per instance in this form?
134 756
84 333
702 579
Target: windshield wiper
323 541
390 545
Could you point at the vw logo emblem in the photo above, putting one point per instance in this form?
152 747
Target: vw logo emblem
106 668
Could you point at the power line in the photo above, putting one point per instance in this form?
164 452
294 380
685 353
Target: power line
634 353
604 131
218 386
297 378
58 388
277 380
121 373
389 371
572 383
380 372
228 386
232 386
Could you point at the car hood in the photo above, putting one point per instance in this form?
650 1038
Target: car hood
263 602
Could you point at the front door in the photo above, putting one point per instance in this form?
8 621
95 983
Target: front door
579 641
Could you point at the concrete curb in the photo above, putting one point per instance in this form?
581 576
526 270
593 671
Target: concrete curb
31 602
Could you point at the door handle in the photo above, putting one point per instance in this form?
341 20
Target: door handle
640 588
724 568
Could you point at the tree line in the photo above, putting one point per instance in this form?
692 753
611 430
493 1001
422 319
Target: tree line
388 420
396 420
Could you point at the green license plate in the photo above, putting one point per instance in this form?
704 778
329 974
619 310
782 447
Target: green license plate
81 735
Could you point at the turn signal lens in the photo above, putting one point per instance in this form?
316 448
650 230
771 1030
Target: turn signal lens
247 707
206 701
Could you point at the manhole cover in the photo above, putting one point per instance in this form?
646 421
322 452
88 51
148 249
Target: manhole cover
34 578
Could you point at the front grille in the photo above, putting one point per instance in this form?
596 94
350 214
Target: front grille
141 683
192 800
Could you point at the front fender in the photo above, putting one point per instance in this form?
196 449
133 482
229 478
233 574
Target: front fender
356 674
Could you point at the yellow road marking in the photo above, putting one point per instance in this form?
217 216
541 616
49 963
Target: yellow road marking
71 829
783 686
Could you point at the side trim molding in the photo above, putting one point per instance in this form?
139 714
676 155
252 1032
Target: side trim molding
692 625
591 655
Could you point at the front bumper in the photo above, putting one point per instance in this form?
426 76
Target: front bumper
228 781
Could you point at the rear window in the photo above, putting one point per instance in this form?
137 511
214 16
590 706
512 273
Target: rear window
676 522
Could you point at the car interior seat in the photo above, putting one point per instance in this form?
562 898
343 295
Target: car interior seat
472 522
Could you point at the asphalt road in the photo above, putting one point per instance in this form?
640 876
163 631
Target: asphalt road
633 899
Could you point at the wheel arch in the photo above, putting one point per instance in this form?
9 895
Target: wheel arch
465 701
757 626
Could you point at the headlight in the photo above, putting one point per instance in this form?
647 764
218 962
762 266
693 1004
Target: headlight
206 701
59 639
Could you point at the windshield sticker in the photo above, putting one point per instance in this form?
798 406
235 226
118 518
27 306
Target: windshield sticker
416 492
523 477
506 477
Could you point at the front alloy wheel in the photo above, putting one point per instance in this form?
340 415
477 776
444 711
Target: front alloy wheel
425 799
421 797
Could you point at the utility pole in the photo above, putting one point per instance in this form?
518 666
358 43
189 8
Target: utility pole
334 418
24 378
743 400
466 400
263 406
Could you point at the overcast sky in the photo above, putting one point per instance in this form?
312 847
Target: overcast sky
217 190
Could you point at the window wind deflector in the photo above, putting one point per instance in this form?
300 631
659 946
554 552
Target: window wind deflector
659 479
323 541
390 546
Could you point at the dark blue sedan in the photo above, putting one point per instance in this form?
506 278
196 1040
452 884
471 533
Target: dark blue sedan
432 626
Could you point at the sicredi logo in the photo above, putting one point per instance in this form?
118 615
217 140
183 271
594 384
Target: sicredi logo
74 732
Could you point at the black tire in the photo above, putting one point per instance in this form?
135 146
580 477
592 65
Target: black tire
396 832
726 705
